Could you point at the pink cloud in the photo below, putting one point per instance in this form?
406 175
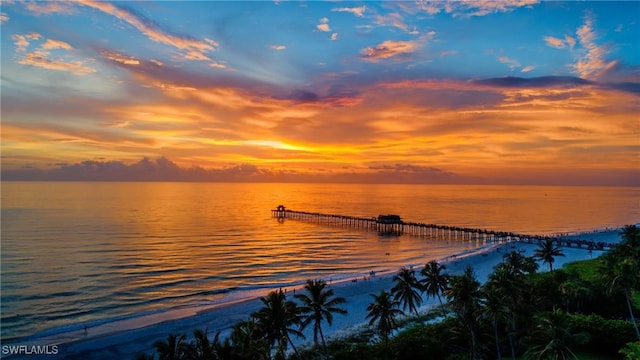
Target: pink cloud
357 11
388 49
592 63
50 7
394 19
512 63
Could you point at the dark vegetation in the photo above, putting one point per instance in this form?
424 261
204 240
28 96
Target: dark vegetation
585 310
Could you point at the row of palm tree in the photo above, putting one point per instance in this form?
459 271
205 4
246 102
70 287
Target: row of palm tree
499 300
503 301
267 333
622 267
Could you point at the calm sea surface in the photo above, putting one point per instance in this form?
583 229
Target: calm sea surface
76 254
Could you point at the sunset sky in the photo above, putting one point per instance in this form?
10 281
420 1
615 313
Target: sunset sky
513 92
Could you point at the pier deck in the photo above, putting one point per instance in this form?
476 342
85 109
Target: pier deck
394 225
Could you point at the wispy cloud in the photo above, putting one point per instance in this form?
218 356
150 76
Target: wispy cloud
334 36
4 17
192 49
324 25
41 56
527 68
357 11
22 41
43 60
51 44
512 63
49 7
591 62
470 8
393 19
277 47
388 49
555 42
122 59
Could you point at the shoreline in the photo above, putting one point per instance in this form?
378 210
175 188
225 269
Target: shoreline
129 337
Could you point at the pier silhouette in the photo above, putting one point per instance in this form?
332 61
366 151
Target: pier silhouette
394 225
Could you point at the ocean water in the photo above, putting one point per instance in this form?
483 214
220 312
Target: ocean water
77 254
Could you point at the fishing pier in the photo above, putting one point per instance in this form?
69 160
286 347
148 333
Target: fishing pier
394 225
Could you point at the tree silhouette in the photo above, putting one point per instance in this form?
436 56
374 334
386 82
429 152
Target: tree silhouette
249 341
622 267
552 337
407 289
547 252
435 281
319 304
496 308
384 311
175 347
464 296
277 319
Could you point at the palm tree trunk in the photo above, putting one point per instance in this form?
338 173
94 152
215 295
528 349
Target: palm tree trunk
633 319
444 314
386 347
513 349
474 352
324 344
295 350
495 331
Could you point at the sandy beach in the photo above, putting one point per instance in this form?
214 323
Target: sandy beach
125 339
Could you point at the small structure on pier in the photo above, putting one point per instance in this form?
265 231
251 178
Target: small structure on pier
280 212
389 224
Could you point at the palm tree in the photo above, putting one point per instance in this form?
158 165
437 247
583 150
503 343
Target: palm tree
407 289
496 308
506 282
202 348
622 267
248 340
384 310
546 252
319 305
277 318
435 282
175 347
552 337
464 295
510 276
518 264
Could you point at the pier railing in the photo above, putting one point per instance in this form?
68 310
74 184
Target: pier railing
394 225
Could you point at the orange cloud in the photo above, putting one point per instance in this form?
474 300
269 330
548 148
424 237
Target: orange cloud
51 44
41 59
555 42
324 25
122 59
